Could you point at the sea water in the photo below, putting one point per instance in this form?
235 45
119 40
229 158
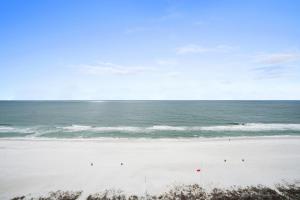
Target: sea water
148 119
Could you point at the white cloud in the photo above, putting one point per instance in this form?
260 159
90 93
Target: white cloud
274 65
107 67
167 62
277 58
269 71
193 48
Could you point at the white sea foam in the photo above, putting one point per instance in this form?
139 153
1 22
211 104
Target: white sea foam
36 131
78 128
9 129
167 128
251 127
96 101
6 128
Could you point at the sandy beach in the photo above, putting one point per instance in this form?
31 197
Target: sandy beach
144 165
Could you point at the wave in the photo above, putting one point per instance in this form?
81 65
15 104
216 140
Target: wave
167 128
77 130
254 127
249 127
9 129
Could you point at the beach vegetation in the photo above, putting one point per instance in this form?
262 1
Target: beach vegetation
283 191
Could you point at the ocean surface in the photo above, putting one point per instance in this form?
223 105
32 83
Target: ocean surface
148 119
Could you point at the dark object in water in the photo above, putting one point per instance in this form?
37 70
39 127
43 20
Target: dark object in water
234 123
225 160
198 170
243 160
92 164
122 163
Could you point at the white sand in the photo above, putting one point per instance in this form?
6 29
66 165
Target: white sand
37 167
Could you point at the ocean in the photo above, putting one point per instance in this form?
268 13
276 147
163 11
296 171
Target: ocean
148 119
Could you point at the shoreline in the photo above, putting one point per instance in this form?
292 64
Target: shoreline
40 166
165 139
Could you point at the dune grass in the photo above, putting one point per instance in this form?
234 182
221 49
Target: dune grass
187 192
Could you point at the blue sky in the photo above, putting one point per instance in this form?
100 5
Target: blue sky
149 49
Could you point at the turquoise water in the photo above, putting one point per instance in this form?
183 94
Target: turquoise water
148 119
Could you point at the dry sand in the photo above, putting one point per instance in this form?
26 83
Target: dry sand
40 166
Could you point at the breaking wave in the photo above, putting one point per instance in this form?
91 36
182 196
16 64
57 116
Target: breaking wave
9 129
96 101
77 130
239 127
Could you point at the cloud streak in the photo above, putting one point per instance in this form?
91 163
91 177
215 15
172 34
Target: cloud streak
273 71
197 49
167 62
111 68
274 65
277 58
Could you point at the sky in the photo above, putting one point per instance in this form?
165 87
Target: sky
149 49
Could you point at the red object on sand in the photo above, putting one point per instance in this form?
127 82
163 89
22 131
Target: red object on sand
198 170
